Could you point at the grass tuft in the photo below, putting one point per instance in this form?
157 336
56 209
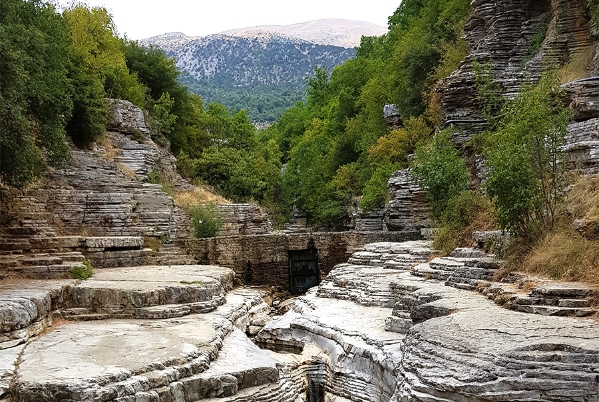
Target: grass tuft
199 195
83 273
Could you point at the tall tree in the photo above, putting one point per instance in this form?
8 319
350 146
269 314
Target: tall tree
34 90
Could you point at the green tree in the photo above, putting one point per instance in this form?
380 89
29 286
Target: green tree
440 170
96 44
98 71
525 159
34 90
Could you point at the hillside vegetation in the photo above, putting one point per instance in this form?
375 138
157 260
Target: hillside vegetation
336 146
264 73
57 69
324 153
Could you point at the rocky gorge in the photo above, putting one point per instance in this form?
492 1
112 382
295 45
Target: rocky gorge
382 317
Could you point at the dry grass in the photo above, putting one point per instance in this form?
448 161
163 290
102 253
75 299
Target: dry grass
199 195
565 255
577 67
110 151
570 252
129 173
582 201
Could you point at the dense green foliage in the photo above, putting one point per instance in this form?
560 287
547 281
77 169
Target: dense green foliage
525 159
525 178
205 220
56 70
35 90
439 168
335 145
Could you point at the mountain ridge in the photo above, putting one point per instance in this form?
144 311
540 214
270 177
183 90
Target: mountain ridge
334 32
263 70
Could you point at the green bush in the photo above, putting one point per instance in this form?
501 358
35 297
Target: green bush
466 212
84 272
205 220
525 159
155 177
375 192
439 169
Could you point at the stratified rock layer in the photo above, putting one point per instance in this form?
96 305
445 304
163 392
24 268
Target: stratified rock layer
188 342
408 209
389 335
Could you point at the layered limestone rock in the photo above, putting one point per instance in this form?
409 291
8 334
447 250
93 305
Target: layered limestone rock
582 138
187 342
388 335
392 117
370 221
519 39
123 116
407 209
244 220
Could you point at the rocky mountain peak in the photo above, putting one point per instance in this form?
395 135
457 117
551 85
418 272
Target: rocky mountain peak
334 32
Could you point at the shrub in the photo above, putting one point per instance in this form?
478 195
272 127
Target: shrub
439 169
155 177
525 159
376 191
466 212
205 220
84 272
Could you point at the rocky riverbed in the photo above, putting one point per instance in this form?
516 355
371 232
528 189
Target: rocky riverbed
379 328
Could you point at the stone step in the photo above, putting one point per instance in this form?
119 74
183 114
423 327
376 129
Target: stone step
400 313
461 285
468 253
190 358
136 292
39 260
401 266
426 271
14 244
73 256
446 263
538 301
552 310
398 324
562 290
58 271
485 263
87 317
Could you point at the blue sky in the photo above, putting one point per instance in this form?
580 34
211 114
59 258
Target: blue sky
140 19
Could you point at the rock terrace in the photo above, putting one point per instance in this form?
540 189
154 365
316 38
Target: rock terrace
386 326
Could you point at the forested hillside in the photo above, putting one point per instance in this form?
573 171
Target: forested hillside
336 146
264 73
58 67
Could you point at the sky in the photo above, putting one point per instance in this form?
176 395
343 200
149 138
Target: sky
139 19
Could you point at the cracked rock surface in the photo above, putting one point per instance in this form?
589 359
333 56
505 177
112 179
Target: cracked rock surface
390 335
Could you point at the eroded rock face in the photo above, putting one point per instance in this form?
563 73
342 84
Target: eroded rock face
125 117
407 209
244 220
582 138
389 335
509 35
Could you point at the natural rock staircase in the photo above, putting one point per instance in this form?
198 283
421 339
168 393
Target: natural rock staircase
389 335
162 333
561 299
26 252
466 268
